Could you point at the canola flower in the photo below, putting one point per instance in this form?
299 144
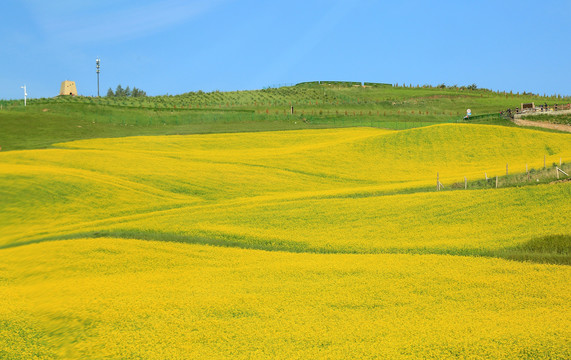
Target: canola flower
128 299
352 271
297 190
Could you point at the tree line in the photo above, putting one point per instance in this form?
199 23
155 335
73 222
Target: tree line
127 92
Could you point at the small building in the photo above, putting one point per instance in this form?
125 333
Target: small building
68 88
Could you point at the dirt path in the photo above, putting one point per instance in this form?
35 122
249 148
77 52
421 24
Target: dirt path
546 125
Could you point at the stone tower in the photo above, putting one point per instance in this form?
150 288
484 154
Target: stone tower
68 88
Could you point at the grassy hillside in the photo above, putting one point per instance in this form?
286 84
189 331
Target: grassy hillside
47 121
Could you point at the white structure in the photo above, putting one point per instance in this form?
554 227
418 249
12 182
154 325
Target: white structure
25 94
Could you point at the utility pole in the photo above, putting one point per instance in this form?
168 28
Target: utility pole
97 64
25 93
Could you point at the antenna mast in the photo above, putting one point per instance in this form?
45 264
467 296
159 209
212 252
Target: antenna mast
97 64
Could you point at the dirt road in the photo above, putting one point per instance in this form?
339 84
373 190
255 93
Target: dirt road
546 125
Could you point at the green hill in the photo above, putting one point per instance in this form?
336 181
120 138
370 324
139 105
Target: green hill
330 104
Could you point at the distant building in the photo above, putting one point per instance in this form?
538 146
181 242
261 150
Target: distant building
68 88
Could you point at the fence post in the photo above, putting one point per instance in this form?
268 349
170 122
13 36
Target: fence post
465 183
437 182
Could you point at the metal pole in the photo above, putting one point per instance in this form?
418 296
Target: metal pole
97 64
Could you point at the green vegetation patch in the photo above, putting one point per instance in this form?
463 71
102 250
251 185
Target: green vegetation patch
325 104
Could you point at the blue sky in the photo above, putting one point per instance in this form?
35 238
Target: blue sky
175 46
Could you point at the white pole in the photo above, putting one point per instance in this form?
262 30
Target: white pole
25 93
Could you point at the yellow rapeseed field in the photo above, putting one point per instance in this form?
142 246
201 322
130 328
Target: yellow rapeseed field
298 190
296 244
129 299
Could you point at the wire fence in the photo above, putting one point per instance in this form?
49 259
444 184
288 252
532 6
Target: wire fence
552 170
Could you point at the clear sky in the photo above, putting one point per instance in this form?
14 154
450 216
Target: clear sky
176 46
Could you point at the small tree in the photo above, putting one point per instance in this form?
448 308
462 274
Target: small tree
127 92
138 92
119 92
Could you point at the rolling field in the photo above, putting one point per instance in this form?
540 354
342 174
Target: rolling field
130 299
316 106
322 243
